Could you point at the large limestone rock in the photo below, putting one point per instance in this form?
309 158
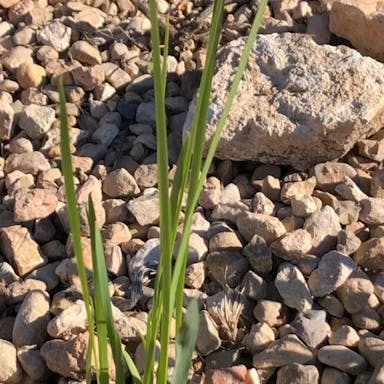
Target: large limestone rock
300 104
362 23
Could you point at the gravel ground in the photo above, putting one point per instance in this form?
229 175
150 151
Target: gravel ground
288 266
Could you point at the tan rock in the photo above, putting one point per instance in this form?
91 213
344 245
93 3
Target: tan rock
208 340
120 183
195 275
293 189
6 120
296 115
333 375
349 190
293 288
377 184
371 254
268 227
10 371
91 16
17 56
261 204
71 321
293 245
372 211
91 189
211 193
116 234
275 314
19 289
225 241
355 292
297 374
30 75
231 375
324 227
259 337
334 269
342 358
85 53
28 162
145 208
8 3
32 363
34 204
372 348
66 358
116 76
19 248
284 351
88 77
345 335
360 22
31 321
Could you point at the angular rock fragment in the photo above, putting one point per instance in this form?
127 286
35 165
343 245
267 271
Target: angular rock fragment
304 113
268 227
34 204
361 23
334 269
20 250
371 254
292 286
324 227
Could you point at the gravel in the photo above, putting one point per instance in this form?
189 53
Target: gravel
287 265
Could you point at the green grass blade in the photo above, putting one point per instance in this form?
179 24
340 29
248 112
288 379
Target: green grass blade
99 299
165 54
165 263
74 220
198 137
185 343
88 360
103 308
178 273
132 368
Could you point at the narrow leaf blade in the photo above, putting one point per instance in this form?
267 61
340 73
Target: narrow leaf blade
185 343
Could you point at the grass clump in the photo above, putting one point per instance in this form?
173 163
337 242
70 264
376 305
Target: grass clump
190 176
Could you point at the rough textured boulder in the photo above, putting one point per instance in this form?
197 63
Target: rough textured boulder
362 23
300 104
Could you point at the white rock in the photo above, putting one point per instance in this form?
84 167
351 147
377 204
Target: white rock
56 35
36 120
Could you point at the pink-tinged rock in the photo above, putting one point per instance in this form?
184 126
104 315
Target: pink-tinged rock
233 375
34 204
27 162
20 249
362 23
66 358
